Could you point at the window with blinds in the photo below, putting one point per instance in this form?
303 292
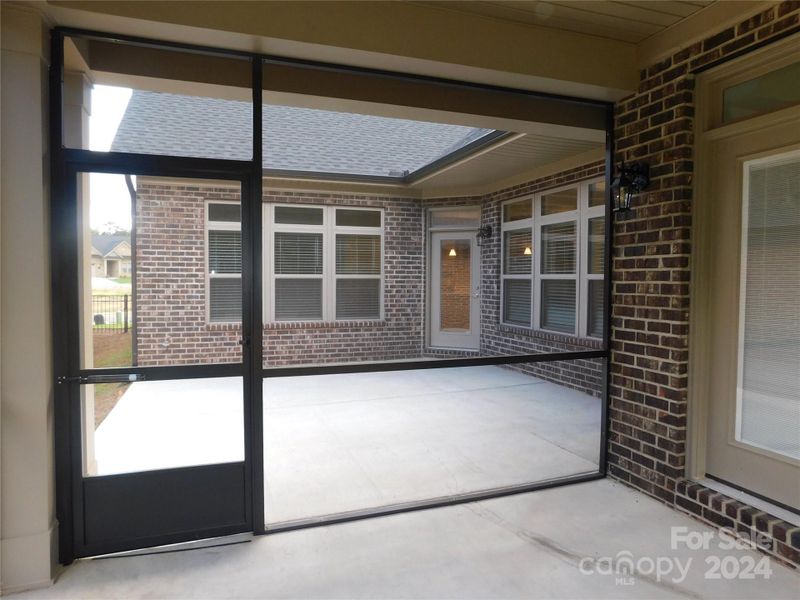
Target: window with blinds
358 259
558 249
558 305
327 263
553 260
224 262
768 411
517 262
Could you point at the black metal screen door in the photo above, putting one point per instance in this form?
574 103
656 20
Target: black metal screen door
153 284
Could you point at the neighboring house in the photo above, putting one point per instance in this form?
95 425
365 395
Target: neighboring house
111 255
355 274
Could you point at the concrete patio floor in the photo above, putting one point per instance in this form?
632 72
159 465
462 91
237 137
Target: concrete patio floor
545 544
338 443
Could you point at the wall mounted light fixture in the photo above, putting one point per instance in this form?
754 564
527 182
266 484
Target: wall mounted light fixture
630 180
484 233
452 252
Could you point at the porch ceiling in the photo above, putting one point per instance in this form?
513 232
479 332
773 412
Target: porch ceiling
626 21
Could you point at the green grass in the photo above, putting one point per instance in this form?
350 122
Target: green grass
122 280
110 350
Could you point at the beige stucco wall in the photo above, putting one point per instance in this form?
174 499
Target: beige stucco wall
27 521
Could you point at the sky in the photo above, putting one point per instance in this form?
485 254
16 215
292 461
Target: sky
110 201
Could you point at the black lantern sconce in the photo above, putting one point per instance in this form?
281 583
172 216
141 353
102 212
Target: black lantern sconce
484 233
631 179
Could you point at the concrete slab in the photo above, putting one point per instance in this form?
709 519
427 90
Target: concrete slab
546 544
338 443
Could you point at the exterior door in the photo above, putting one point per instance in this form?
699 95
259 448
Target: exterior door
753 292
152 379
455 290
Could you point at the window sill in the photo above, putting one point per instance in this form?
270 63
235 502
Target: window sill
237 326
551 336
316 325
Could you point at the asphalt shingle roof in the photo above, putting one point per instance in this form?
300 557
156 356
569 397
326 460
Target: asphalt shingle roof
105 243
297 139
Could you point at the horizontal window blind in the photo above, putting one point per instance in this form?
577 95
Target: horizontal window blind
597 245
358 298
225 299
298 253
224 252
770 395
595 308
517 301
517 252
358 254
558 248
558 305
298 299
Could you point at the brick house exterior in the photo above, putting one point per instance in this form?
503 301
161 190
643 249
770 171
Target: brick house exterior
171 312
650 278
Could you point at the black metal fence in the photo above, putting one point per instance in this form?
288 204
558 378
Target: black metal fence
112 313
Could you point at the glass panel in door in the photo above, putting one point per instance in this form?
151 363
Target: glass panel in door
753 419
768 408
455 289
455 293
160 387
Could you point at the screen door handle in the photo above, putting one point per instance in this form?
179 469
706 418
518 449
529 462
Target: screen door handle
110 378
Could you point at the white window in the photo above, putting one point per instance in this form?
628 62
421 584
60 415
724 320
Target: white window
223 262
517 261
326 263
553 260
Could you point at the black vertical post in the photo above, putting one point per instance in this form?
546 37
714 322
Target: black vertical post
125 311
256 332
59 214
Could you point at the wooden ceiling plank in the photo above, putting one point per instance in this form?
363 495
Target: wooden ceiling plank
626 11
564 17
518 15
567 11
679 10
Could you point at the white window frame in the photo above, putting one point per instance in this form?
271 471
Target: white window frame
515 226
329 277
217 226
587 213
580 216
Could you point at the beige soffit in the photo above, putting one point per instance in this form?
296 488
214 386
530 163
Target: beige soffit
505 160
447 44
630 22
529 170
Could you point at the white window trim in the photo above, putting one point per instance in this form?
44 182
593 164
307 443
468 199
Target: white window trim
329 230
217 226
581 216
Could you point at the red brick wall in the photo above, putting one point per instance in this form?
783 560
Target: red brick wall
650 315
171 289
170 294
401 334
